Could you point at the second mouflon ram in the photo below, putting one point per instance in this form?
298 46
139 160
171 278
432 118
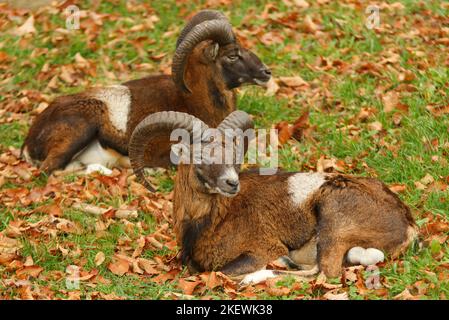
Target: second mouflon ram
94 127
238 222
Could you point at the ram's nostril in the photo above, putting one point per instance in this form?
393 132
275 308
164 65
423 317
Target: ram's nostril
232 183
266 71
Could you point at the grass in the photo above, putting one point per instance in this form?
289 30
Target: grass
401 153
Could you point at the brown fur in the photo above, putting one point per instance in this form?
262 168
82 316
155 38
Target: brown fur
260 224
71 122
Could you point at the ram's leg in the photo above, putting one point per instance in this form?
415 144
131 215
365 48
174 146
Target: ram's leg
245 263
306 256
331 253
65 141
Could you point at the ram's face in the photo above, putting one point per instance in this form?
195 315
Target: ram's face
240 66
213 174
218 178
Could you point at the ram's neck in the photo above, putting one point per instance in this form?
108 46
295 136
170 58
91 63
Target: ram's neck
210 99
195 214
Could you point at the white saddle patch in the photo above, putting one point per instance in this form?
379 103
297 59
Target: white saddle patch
118 101
257 277
365 257
302 185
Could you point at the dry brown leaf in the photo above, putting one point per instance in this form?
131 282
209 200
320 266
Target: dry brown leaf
119 266
375 126
126 214
439 110
188 286
295 81
301 4
406 295
211 280
336 296
148 266
162 278
390 100
427 179
51 209
397 187
27 27
32 271
99 258
89 208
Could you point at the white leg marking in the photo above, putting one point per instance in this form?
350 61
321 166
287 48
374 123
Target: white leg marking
302 185
98 167
118 101
365 257
257 277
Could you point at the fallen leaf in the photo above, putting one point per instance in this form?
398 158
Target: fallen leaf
336 296
188 286
119 266
27 27
439 110
397 187
99 258
211 280
295 81
406 295
32 271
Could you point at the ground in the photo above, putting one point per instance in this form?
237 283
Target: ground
370 101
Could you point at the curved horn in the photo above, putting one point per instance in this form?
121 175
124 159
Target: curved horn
236 120
219 31
150 131
201 16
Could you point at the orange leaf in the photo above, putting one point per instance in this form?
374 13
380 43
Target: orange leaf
50 209
398 188
119 267
188 286
160 279
438 111
32 271
295 81
211 280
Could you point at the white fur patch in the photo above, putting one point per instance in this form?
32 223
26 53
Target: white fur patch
230 174
95 167
365 257
302 185
27 157
94 153
118 101
257 277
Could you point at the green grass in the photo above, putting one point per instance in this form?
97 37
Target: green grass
400 154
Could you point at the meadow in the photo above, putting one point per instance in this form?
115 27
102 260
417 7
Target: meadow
374 101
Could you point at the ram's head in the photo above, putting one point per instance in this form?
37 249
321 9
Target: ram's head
214 155
221 50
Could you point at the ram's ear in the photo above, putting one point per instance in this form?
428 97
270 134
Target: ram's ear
211 52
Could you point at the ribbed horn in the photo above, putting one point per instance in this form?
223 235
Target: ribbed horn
219 31
149 131
237 120
200 17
